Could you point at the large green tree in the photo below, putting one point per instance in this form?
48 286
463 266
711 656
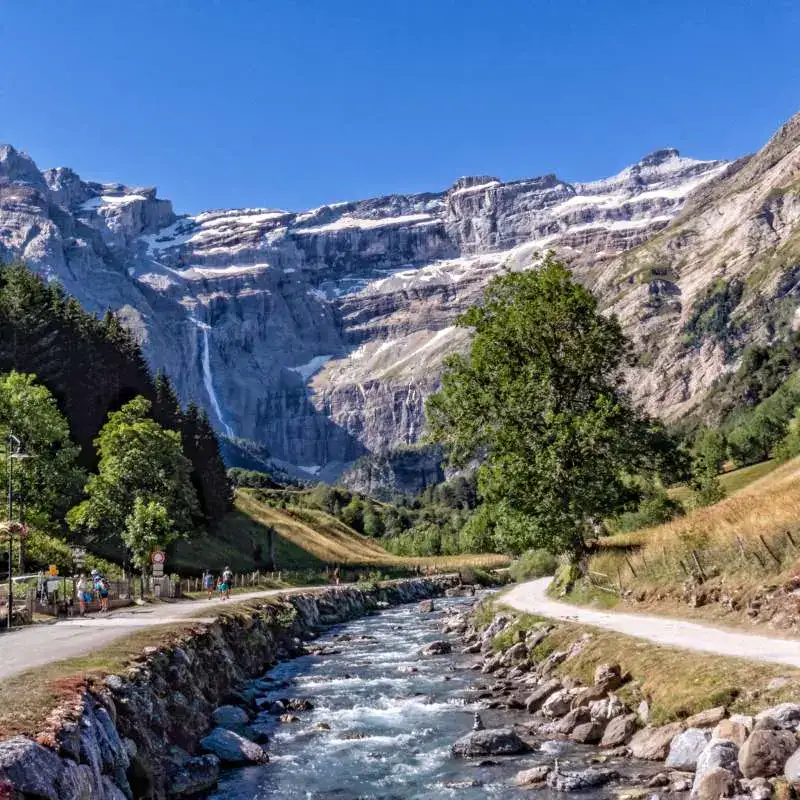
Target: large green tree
143 482
540 401
49 481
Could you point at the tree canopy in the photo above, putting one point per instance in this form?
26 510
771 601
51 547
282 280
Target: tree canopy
143 485
540 401
45 483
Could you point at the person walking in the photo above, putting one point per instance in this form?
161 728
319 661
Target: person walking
84 594
227 580
209 583
101 587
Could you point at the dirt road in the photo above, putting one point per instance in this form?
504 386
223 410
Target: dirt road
532 597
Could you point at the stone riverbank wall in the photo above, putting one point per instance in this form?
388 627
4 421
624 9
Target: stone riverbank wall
137 734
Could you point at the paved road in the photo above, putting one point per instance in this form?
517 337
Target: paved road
36 645
532 597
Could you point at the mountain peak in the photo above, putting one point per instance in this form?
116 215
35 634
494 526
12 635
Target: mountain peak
659 157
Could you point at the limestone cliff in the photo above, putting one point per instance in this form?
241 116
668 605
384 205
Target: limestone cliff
320 333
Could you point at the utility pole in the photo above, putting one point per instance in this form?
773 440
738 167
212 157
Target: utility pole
13 448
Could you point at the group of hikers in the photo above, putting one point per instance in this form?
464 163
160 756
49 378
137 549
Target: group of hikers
222 584
96 585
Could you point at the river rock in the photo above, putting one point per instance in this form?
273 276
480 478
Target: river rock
517 652
426 607
587 695
706 719
606 710
619 731
588 732
608 677
492 742
643 712
534 776
733 730
791 770
438 648
652 744
579 781
31 769
785 715
718 754
232 718
557 704
686 748
196 776
232 749
766 752
567 724
714 784
538 696
494 627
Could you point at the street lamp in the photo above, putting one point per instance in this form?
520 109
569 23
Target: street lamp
13 452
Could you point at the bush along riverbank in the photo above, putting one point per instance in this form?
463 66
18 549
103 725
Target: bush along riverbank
711 727
165 725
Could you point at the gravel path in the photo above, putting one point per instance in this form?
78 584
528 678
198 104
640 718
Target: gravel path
532 597
36 645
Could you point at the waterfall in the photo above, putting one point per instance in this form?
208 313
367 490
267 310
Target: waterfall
208 378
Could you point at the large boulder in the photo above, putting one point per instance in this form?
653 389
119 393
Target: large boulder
652 744
718 754
686 748
766 752
619 731
31 769
438 648
715 784
579 781
588 732
578 716
587 695
538 696
791 770
232 749
492 742
195 776
535 776
232 718
607 709
785 715
733 729
608 677
706 719
558 704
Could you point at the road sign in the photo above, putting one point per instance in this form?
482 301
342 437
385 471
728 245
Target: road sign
53 571
158 570
158 557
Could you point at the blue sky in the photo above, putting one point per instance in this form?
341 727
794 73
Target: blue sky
293 104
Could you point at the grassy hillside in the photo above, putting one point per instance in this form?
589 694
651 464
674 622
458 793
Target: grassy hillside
754 534
733 481
308 539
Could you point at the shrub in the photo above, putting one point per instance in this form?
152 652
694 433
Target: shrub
533 564
477 576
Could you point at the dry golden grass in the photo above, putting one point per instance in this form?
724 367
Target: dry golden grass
331 541
676 683
755 532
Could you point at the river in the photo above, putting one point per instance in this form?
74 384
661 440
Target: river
392 715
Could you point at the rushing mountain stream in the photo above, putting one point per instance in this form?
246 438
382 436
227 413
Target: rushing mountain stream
384 719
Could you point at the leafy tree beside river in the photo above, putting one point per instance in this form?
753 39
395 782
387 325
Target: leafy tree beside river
540 400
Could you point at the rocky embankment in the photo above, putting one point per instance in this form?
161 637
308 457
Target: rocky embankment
165 726
706 756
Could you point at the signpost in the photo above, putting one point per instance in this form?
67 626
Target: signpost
158 557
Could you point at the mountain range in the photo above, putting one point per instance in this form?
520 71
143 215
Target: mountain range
318 334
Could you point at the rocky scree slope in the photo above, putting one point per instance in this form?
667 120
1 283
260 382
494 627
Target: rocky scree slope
320 333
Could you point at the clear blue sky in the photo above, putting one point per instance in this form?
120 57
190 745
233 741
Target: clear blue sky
292 104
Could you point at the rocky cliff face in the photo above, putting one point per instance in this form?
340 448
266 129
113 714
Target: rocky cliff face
320 333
